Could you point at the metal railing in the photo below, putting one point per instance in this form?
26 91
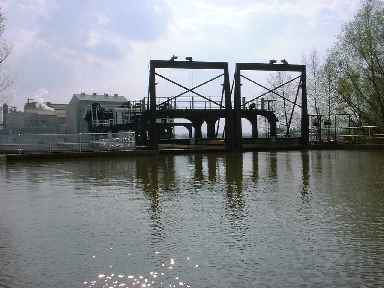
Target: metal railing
189 103
81 142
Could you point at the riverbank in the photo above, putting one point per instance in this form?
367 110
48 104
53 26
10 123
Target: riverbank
180 149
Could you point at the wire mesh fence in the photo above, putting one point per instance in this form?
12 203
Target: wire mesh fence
82 142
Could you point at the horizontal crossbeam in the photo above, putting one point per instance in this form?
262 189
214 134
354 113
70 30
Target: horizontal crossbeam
270 67
188 64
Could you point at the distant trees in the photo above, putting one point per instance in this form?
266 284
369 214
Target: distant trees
351 79
352 76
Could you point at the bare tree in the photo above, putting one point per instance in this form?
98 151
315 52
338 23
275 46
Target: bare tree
314 78
287 113
5 50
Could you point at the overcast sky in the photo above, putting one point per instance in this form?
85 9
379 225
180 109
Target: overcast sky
61 47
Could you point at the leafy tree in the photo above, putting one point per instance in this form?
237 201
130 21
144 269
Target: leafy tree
355 65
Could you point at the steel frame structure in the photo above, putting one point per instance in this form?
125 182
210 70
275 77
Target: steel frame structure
154 108
237 134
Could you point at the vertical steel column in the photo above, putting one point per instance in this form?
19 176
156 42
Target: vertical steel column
237 132
197 125
304 109
255 131
211 131
272 128
229 137
153 133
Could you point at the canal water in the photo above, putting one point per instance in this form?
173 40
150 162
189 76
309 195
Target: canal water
295 219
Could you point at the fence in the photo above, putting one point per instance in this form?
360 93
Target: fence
363 134
82 142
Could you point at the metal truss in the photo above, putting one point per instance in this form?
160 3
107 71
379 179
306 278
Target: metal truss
275 68
172 64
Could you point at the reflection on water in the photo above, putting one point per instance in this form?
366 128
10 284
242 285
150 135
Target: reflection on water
166 276
234 183
203 220
305 173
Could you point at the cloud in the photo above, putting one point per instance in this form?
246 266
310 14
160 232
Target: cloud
101 29
94 45
66 45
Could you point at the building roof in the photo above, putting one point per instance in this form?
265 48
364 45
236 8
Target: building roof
100 98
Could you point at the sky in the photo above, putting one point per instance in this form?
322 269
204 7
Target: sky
62 47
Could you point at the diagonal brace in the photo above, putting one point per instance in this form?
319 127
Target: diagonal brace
271 90
188 90
293 109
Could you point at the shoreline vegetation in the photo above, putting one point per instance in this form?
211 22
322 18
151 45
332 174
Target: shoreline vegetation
351 77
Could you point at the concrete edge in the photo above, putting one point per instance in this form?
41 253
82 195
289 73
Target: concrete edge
175 151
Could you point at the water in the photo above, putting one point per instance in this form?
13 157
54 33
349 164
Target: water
311 219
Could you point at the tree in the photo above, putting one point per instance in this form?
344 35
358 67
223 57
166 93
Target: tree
316 88
5 51
288 115
355 65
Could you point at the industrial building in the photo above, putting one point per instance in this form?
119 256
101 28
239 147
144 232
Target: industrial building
37 117
81 104
84 113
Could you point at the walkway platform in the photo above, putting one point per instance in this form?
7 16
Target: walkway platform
181 149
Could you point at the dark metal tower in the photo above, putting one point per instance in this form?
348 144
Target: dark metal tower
198 117
238 106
